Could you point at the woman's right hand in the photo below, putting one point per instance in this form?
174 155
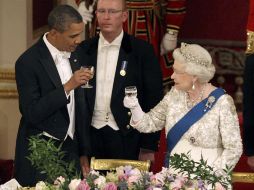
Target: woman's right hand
132 103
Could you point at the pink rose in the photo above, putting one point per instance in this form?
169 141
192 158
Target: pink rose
74 184
218 186
110 186
83 186
135 172
122 178
178 183
133 179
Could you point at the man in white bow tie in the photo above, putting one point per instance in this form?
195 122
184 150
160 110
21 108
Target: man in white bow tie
120 60
50 98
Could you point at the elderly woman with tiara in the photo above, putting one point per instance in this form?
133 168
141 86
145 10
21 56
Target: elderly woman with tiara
199 118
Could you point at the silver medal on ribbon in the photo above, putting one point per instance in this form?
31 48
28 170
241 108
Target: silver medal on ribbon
123 68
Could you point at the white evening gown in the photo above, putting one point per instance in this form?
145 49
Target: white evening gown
216 135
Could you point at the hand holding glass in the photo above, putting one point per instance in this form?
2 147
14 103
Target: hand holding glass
91 69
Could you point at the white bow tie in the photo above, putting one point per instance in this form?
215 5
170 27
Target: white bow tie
109 45
65 54
62 56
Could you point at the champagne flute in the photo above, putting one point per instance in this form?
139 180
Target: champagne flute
91 69
131 91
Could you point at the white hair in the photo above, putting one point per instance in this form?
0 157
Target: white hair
197 61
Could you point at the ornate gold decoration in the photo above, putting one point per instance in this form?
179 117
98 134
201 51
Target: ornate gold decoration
238 95
112 164
250 42
7 83
7 75
243 177
8 93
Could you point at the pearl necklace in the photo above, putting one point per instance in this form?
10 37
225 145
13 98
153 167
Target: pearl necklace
192 102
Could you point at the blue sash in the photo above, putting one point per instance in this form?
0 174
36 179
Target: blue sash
197 112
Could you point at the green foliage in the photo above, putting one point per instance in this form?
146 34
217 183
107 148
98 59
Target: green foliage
90 180
199 170
48 159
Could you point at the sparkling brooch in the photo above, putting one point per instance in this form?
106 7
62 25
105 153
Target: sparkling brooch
209 103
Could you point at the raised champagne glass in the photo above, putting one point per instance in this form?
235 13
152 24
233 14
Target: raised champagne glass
91 69
131 91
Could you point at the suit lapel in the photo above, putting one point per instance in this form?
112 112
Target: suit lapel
50 67
123 56
74 61
49 64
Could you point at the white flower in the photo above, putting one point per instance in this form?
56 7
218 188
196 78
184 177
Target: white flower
95 172
100 182
40 186
159 179
120 171
74 184
134 175
165 171
157 188
59 181
135 172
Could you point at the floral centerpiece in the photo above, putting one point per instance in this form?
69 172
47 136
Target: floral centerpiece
128 178
61 176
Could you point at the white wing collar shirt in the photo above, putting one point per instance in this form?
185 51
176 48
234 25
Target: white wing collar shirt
61 59
106 67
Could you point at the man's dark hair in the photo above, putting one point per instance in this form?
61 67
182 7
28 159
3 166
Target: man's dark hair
62 16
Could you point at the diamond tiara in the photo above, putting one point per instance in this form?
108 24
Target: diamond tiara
186 53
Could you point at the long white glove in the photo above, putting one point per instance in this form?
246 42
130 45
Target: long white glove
131 102
87 14
168 42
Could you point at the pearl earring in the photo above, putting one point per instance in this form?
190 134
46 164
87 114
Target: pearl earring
193 86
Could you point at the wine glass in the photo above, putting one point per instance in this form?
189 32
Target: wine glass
91 69
131 91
